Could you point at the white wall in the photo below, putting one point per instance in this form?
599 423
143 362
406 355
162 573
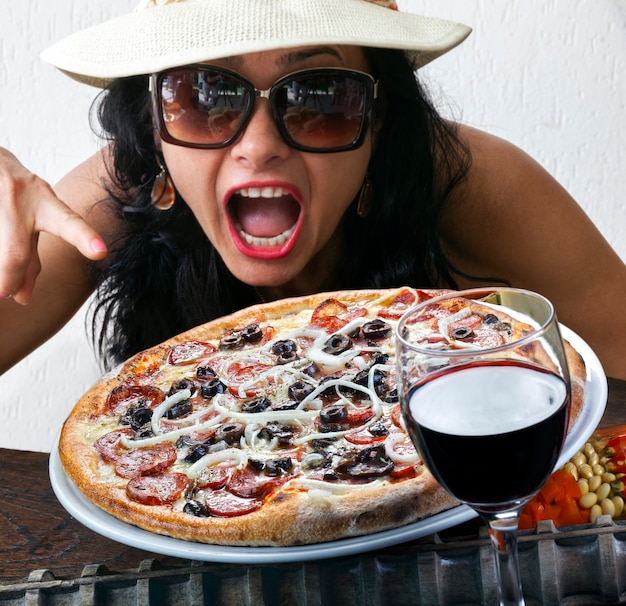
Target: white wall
545 74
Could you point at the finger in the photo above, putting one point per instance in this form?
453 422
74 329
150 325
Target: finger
58 219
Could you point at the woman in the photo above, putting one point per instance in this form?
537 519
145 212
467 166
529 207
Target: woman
408 199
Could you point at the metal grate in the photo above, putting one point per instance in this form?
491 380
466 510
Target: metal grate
583 565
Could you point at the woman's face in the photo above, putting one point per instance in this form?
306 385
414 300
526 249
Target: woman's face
272 212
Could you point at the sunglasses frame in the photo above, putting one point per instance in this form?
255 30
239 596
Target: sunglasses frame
370 94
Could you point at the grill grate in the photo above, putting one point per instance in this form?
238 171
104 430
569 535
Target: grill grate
583 565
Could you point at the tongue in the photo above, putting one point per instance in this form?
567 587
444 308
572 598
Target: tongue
265 218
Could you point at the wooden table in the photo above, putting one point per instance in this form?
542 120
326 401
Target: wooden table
37 533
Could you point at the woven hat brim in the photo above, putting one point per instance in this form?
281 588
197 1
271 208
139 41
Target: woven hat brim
190 31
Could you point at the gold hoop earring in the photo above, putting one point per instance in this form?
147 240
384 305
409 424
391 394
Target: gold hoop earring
163 193
365 201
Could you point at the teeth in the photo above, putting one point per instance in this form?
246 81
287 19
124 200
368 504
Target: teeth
262 192
273 241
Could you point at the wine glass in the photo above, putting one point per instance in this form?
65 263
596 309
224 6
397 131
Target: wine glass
486 407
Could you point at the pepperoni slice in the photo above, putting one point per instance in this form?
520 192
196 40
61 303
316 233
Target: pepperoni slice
246 483
145 461
123 396
109 446
160 489
396 415
400 303
190 352
214 477
239 373
332 315
223 503
472 321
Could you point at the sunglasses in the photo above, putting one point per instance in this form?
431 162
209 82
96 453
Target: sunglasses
315 110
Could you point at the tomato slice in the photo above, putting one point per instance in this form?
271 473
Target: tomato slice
160 489
396 415
358 415
402 472
363 437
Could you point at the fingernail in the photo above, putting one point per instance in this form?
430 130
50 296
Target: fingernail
3 296
98 245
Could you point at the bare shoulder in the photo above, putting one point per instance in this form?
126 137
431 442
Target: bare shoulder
512 220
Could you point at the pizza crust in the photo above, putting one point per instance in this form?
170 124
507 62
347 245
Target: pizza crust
292 517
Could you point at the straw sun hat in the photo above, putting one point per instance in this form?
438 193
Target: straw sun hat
160 34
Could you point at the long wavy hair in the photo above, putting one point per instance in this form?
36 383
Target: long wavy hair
164 276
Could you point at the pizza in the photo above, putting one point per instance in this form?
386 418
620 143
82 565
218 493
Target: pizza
278 425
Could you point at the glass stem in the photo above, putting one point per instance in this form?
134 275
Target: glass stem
503 534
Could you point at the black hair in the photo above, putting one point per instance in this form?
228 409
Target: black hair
164 276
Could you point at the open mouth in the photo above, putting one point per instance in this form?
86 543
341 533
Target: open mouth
265 220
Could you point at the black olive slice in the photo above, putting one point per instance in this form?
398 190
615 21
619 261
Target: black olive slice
287 357
462 333
196 453
179 410
369 463
180 384
232 341
197 509
376 330
252 333
284 346
337 344
300 390
229 433
205 373
137 417
333 414
211 388
256 405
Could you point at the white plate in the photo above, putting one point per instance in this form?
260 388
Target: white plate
103 523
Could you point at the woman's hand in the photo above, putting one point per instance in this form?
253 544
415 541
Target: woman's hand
28 206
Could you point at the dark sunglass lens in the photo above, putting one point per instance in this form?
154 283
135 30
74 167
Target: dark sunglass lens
203 107
322 111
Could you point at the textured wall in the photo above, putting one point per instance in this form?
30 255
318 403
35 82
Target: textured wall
545 74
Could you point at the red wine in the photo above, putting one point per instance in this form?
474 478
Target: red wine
490 433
